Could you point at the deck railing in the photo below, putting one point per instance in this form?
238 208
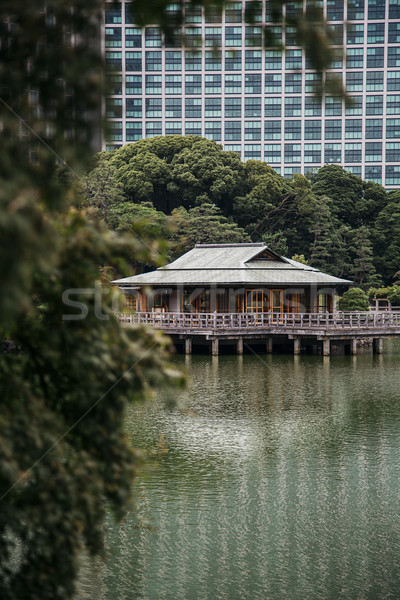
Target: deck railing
235 321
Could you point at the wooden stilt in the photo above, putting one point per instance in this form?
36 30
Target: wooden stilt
353 346
296 345
239 346
326 347
214 347
188 345
269 345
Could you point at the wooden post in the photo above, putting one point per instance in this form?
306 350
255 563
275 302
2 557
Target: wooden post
269 345
296 345
353 346
239 346
378 345
214 347
326 347
188 345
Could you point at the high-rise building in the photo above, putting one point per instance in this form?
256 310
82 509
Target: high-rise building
260 102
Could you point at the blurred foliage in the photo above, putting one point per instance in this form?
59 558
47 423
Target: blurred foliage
64 381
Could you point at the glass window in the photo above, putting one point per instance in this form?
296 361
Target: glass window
332 153
233 108
355 10
333 129
113 13
212 107
290 36
273 35
115 84
273 60
133 85
293 107
273 107
272 153
113 37
393 56
252 152
252 130
373 173
193 84
293 83
253 11
113 60
290 171
173 108
374 105
233 83
253 36
273 83
174 40
394 33
292 153
312 153
252 83
376 33
375 58
153 128
213 13
354 81
192 61
213 60
355 33
392 175
133 131
373 151
233 148
173 84
393 81
193 37
173 61
193 128
356 106
394 9
133 61
233 12
293 59
353 129
152 37
354 58
173 128
376 9
192 13
352 153
233 36
153 61
193 108
313 81
334 10
134 108
373 129
233 60
212 84
312 130
133 37
153 84
153 108
114 108
233 131
392 151
375 81
393 128
212 130
292 130
356 170
333 107
312 106
393 104
272 130
252 107
253 60
213 36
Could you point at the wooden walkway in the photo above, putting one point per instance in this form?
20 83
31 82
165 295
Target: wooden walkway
323 327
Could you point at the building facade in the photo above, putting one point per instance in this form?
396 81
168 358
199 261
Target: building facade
256 101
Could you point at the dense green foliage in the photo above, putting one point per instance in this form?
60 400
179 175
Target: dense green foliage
194 191
65 381
354 299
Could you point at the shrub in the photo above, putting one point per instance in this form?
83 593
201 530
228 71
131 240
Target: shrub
354 299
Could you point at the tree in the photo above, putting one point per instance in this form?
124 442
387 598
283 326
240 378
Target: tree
324 244
363 271
67 370
355 299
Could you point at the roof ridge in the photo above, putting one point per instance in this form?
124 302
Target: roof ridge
244 245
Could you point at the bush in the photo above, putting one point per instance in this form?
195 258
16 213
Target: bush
394 295
354 299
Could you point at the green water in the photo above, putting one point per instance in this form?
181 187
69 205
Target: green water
272 477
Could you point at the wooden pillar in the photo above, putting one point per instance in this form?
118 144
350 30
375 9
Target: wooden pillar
353 346
269 345
296 345
239 346
326 347
214 347
188 345
378 345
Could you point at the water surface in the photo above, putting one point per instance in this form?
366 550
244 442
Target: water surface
271 477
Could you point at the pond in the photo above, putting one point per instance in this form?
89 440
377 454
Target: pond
272 477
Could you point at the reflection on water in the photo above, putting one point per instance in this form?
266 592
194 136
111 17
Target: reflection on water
272 477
